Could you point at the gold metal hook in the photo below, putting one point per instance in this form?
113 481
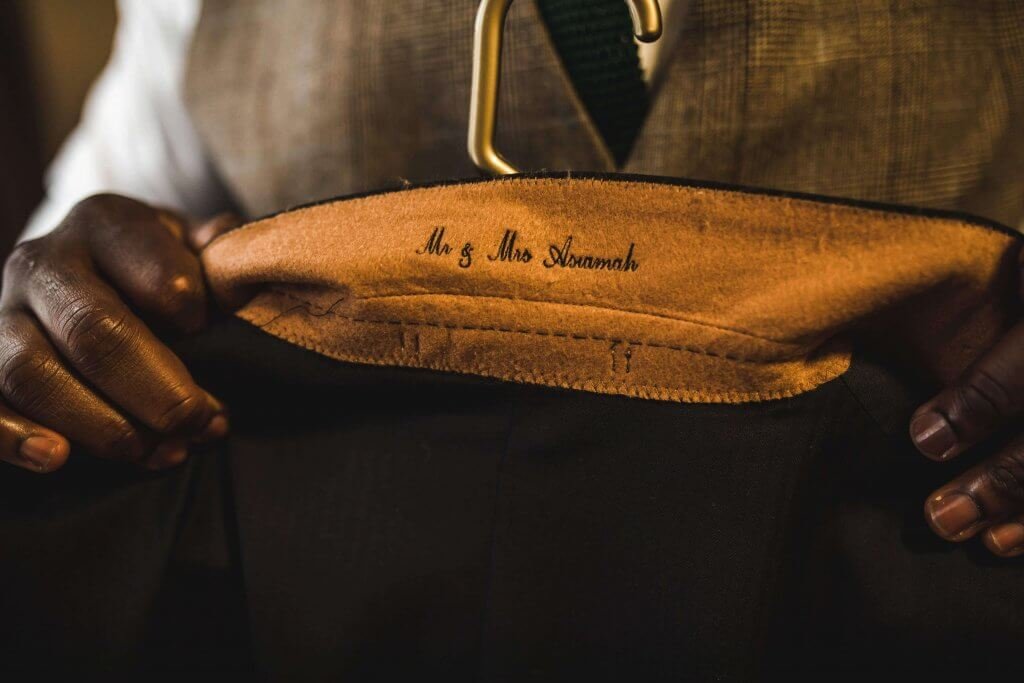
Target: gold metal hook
487 39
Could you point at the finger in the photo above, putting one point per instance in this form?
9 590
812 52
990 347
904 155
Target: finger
117 354
989 394
201 234
142 252
33 376
1006 539
35 382
25 444
987 494
168 454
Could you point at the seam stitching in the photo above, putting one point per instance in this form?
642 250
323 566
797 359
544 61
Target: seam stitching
661 316
305 306
636 390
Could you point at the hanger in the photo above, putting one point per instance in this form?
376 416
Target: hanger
487 39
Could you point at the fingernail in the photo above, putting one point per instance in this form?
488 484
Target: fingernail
167 455
953 514
933 435
172 224
1007 538
214 402
213 228
39 451
216 428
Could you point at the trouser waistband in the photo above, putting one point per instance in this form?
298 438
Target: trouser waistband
642 287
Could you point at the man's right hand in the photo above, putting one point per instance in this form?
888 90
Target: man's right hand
77 362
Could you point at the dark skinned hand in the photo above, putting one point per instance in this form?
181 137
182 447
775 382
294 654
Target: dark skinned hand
987 499
77 362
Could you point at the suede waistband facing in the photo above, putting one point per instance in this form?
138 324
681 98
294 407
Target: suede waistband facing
621 285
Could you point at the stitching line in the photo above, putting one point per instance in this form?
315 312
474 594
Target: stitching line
646 391
688 321
305 306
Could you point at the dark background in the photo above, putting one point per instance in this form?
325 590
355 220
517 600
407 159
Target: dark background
50 52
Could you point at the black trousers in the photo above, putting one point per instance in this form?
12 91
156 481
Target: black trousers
370 523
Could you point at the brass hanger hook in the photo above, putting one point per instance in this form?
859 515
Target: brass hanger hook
487 40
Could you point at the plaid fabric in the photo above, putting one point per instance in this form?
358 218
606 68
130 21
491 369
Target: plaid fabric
335 97
917 102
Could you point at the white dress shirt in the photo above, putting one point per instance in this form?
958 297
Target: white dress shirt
135 136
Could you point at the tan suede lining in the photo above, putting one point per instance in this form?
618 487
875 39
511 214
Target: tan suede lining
678 293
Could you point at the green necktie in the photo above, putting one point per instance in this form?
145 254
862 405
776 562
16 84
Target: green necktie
595 41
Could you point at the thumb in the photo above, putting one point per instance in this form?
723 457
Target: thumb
201 233
985 398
